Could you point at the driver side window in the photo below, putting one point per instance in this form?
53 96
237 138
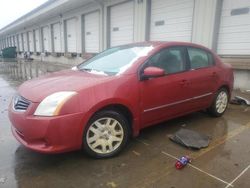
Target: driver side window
170 59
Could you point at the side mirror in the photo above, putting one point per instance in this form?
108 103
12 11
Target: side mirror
152 72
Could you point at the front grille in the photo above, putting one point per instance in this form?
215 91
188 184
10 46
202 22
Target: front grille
20 103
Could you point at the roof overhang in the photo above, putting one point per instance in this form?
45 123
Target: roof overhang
50 9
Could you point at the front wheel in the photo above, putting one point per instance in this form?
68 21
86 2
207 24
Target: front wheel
220 103
106 134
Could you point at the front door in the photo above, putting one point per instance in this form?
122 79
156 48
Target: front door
168 96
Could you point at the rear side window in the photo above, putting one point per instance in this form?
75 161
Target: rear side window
199 58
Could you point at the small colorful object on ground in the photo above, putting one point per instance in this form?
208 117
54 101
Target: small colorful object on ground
183 161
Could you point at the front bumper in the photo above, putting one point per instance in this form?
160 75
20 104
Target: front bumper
47 134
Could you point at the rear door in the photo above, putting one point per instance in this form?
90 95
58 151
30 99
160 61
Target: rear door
203 77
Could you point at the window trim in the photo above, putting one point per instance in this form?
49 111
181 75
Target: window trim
206 51
184 54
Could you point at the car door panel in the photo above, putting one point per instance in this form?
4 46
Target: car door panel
164 97
203 79
167 96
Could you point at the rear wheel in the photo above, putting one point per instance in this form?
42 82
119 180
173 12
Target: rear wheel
106 134
220 103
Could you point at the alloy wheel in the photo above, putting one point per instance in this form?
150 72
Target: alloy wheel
221 102
105 135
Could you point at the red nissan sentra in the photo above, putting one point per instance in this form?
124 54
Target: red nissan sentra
102 102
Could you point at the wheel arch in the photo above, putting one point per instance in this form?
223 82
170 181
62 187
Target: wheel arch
124 110
130 113
225 86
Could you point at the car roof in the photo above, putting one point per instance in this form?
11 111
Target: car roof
166 44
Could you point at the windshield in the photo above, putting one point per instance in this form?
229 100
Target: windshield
114 60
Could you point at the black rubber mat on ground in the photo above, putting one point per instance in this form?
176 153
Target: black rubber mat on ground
190 139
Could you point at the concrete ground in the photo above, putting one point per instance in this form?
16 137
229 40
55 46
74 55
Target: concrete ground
148 161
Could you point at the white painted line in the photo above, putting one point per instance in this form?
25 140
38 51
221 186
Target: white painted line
228 184
165 153
173 157
235 179
142 142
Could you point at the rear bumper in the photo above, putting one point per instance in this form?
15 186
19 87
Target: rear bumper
48 134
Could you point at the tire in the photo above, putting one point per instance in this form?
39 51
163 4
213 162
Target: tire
106 134
220 103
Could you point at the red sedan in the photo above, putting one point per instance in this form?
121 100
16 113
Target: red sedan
102 102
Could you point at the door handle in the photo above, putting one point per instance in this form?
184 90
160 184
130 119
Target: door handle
214 74
184 82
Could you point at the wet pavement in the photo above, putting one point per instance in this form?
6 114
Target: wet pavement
148 161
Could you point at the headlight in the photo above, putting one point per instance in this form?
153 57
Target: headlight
52 104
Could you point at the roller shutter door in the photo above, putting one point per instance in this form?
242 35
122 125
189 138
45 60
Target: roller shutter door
45 38
20 43
171 20
122 24
12 41
25 42
91 32
16 43
31 41
6 42
37 41
71 35
56 32
9 41
234 32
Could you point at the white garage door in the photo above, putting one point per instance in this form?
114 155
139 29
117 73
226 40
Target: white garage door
71 35
45 38
234 33
20 42
13 41
16 43
56 32
9 39
122 24
31 41
8 42
37 41
171 20
91 32
25 42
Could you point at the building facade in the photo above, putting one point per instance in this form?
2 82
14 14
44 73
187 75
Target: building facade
68 31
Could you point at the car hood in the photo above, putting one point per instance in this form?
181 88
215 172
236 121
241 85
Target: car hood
37 89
